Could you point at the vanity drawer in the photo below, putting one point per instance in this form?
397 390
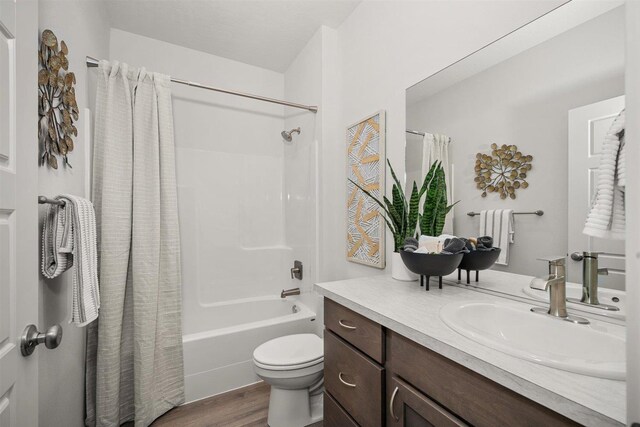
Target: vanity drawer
334 415
357 330
472 397
354 381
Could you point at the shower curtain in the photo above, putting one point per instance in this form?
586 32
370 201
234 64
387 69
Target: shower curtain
435 148
134 366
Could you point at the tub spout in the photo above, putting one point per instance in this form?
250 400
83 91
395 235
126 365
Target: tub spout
288 292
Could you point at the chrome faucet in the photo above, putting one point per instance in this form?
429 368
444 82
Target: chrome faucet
556 283
289 292
590 273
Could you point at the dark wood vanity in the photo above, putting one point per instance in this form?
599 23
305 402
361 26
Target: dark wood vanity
375 377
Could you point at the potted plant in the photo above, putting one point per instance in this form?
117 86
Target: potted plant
402 215
435 208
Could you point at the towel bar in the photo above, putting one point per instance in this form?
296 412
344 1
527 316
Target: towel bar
45 200
539 213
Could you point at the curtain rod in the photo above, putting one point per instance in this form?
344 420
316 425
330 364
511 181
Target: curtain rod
417 132
93 62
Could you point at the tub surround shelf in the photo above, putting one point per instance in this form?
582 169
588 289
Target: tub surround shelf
405 309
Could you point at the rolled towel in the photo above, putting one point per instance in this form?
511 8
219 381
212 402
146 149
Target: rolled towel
485 241
410 244
454 246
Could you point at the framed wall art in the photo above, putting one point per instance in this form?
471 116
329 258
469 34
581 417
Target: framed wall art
366 165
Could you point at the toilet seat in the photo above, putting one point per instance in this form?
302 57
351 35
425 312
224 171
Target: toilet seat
291 352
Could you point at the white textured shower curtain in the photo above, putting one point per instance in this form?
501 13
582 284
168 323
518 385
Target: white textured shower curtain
435 148
134 350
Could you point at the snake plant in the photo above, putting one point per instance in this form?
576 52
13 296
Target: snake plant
402 215
435 208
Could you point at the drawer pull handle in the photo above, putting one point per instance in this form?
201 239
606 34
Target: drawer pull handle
344 382
341 323
393 398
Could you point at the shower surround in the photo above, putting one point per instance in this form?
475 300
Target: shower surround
247 208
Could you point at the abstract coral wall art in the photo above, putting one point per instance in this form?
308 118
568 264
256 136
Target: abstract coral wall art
503 171
57 106
365 165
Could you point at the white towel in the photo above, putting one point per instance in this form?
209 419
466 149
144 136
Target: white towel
69 239
499 225
606 218
430 245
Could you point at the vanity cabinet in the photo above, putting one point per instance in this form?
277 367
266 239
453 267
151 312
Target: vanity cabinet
354 349
374 377
408 407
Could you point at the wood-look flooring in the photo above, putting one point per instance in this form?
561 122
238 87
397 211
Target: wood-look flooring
244 407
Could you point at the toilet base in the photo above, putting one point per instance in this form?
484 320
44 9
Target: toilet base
293 408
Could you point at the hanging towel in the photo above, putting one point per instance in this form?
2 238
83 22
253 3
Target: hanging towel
606 218
498 224
69 240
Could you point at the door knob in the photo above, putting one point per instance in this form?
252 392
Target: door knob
31 338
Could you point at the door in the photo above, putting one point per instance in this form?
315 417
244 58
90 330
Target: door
18 210
588 126
408 407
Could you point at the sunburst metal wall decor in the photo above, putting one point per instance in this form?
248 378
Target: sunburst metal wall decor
503 172
57 101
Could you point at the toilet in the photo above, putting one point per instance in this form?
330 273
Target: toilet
293 366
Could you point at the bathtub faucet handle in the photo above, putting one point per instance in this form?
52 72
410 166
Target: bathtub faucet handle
296 270
289 292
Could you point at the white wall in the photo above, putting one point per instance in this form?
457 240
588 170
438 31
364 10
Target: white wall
633 210
303 84
385 47
230 172
83 26
311 79
525 101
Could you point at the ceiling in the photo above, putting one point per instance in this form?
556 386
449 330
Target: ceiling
266 33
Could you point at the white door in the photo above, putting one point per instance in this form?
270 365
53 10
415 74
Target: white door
18 210
588 126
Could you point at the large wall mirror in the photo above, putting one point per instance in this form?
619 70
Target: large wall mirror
553 89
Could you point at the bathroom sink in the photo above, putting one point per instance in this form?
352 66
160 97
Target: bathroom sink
597 349
607 296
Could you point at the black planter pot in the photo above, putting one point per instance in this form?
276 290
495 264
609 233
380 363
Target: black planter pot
428 265
477 260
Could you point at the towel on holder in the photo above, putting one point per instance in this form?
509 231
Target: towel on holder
69 240
606 218
498 224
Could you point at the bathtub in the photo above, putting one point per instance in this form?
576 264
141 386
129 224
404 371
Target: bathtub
219 340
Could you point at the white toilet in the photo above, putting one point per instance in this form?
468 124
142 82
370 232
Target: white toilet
293 366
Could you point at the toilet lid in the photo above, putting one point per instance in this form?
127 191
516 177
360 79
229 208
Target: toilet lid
290 350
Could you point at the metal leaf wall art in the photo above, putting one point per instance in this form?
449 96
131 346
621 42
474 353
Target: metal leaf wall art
503 172
57 104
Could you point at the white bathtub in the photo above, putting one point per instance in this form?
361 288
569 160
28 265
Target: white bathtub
219 340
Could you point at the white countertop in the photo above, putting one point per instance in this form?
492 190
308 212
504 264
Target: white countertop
513 284
409 310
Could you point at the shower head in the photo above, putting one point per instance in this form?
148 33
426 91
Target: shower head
287 135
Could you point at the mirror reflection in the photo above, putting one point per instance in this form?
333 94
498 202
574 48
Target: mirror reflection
531 133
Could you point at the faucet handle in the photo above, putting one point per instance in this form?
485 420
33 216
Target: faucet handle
541 283
554 259
603 271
